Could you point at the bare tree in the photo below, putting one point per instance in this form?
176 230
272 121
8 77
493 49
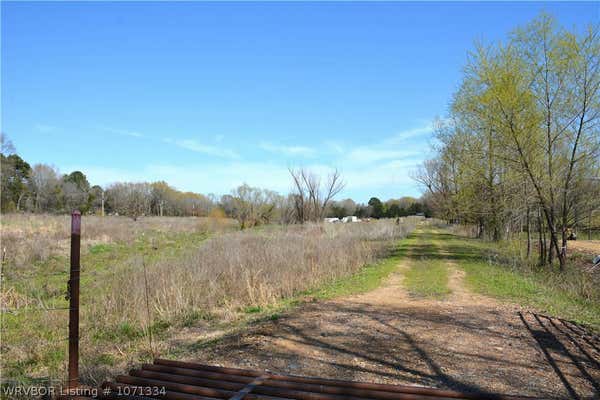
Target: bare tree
253 206
45 187
6 145
131 199
310 197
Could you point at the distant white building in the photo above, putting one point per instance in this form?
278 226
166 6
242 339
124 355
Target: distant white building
350 218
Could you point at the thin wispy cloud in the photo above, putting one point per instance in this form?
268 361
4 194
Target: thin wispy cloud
334 146
290 151
44 128
365 168
422 131
373 154
194 145
409 144
123 132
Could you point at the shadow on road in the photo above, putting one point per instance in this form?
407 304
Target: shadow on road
565 343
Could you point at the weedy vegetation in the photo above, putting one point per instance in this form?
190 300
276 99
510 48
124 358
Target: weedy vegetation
148 278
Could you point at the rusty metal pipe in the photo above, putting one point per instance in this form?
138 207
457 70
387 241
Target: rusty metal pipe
220 378
346 384
225 370
299 392
211 383
73 294
198 373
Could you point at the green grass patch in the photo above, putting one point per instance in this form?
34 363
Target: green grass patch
104 359
253 309
99 248
192 317
274 316
428 272
427 278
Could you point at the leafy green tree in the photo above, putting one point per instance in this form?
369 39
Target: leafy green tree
78 179
393 211
75 192
14 179
377 207
523 140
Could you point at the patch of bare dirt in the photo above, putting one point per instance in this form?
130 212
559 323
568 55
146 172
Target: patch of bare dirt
585 246
466 342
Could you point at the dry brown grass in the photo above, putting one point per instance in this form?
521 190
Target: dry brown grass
191 280
247 268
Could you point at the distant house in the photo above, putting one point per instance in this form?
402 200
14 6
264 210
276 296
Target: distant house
332 220
350 218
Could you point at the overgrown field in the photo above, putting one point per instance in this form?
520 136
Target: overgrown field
143 281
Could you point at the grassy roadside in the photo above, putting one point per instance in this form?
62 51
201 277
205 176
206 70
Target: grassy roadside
571 294
367 279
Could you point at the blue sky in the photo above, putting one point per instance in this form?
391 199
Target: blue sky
207 96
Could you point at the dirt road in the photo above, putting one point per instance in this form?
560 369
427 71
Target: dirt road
465 342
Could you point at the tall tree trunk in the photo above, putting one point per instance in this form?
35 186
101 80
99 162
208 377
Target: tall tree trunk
554 246
590 226
528 227
19 201
542 238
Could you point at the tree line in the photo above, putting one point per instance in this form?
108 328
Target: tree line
41 188
520 149
375 208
